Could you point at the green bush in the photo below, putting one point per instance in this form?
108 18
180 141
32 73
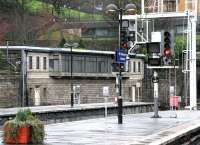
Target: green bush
25 118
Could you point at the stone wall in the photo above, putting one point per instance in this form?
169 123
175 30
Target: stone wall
9 91
57 91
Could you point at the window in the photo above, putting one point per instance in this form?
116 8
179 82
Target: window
190 5
30 92
78 64
169 6
139 67
45 93
37 62
56 65
30 62
138 93
134 66
44 63
91 64
102 65
66 64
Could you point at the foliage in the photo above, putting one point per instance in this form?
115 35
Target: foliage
180 45
81 43
35 5
10 128
76 14
142 50
22 115
8 5
62 42
1 55
37 129
55 35
57 7
25 118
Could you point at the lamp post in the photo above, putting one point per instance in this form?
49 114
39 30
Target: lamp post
112 8
71 45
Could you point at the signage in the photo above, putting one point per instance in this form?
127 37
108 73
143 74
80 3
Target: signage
125 23
120 56
105 91
137 84
155 36
172 90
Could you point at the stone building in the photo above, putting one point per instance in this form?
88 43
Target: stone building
48 77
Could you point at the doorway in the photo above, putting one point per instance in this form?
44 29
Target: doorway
133 91
37 96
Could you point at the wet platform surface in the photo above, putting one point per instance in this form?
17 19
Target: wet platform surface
137 129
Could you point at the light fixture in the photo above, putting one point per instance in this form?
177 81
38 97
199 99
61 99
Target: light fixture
130 8
71 44
111 8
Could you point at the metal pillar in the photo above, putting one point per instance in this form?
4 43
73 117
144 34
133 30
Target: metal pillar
71 79
142 7
23 73
119 100
156 100
193 85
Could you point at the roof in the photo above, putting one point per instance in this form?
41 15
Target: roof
48 49
62 50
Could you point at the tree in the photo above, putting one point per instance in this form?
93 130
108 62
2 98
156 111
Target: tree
180 45
62 42
8 5
57 6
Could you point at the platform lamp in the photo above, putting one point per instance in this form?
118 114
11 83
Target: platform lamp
111 9
71 45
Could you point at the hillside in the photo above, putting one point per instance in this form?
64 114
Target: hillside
40 23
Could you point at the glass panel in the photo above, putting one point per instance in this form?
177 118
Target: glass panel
169 6
134 66
37 62
44 63
139 67
151 6
102 65
190 5
55 65
30 62
78 64
91 64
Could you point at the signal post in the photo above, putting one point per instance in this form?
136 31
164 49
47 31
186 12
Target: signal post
143 38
